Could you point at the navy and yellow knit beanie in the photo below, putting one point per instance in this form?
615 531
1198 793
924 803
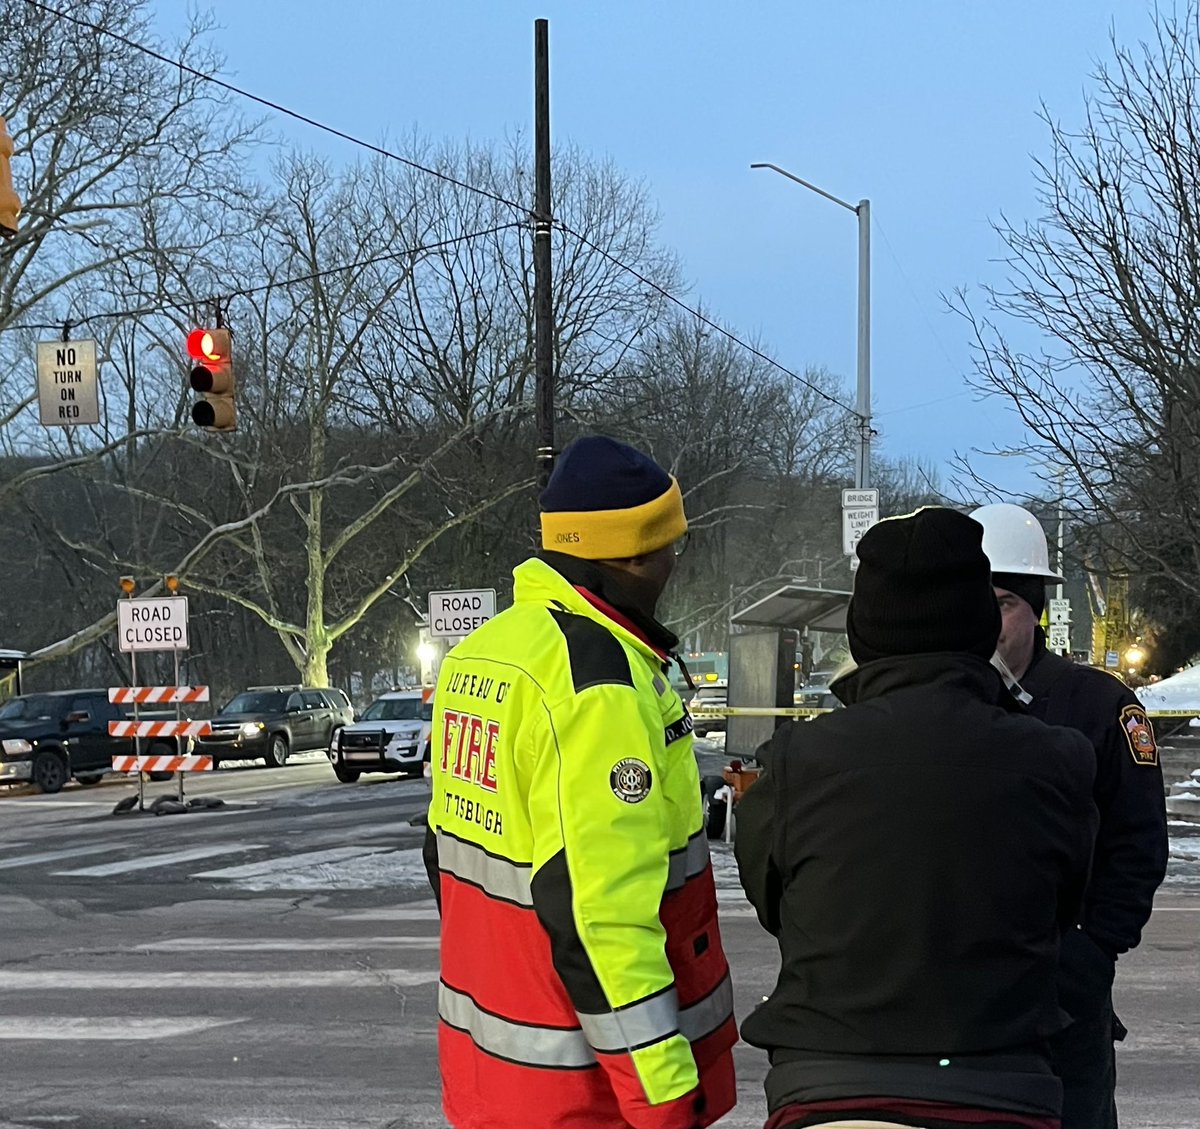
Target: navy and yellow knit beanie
608 501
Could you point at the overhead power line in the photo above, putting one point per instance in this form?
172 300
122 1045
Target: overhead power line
700 316
277 107
296 280
524 209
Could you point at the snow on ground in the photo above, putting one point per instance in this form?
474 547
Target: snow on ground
1179 692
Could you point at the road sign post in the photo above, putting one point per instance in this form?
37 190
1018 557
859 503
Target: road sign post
860 511
68 390
455 614
1059 619
157 623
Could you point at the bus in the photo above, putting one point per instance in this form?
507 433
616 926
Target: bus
704 667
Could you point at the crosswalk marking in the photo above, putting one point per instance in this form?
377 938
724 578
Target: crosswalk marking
284 944
74 1028
44 856
150 862
68 980
291 862
413 911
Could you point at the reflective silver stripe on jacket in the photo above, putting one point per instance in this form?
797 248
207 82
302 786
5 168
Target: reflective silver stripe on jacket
706 1015
556 1047
687 862
496 876
637 1025
568 1047
657 1018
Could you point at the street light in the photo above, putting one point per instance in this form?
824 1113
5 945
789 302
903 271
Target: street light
862 464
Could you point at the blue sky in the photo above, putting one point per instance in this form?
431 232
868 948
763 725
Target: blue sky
927 107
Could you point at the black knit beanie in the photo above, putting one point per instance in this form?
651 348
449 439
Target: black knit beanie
923 585
1031 589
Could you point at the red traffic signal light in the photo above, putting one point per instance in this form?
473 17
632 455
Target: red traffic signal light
212 376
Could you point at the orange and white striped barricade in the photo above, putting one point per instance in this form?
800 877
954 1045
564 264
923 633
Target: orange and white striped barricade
157 695
147 762
140 729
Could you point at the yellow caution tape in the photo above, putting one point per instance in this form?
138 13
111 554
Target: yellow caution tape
812 711
756 711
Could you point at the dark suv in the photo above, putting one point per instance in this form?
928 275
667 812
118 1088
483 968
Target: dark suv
269 723
49 738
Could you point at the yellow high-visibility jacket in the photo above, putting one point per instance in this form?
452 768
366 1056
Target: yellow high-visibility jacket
583 981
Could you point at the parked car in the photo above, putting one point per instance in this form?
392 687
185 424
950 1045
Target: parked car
815 693
269 723
48 739
711 695
391 736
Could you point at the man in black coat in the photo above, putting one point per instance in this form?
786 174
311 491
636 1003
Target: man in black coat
917 855
1131 844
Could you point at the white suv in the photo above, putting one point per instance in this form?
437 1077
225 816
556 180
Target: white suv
713 695
391 735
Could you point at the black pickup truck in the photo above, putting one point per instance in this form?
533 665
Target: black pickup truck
48 739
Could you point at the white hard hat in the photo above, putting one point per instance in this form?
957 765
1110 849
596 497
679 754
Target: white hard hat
1013 541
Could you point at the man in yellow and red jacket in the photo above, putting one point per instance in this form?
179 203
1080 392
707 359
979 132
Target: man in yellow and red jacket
583 982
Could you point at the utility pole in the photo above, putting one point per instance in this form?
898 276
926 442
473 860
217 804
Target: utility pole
543 301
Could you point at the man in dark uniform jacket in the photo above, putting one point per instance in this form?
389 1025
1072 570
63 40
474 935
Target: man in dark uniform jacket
1131 845
918 855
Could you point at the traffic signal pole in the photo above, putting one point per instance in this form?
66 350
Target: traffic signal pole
543 300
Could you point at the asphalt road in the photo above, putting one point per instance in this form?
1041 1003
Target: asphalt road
271 964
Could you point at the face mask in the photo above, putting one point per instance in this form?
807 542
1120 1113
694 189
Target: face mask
1014 687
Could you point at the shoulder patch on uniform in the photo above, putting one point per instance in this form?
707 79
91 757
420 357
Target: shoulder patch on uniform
596 655
1140 735
630 780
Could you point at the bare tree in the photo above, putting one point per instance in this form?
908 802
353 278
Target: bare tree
121 161
1095 339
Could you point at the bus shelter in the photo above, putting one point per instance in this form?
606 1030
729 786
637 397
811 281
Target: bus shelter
10 673
762 657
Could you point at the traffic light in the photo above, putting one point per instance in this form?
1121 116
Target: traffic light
212 375
10 202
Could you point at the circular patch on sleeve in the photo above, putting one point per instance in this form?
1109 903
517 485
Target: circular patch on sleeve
630 780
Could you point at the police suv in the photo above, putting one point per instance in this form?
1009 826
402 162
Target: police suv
391 735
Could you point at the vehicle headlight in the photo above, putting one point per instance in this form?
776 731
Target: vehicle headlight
14 745
252 728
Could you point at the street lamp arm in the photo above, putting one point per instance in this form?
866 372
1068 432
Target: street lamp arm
862 465
812 187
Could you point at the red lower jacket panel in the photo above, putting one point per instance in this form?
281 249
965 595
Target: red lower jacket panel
499 954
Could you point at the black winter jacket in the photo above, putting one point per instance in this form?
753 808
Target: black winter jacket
916 854
1131 844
